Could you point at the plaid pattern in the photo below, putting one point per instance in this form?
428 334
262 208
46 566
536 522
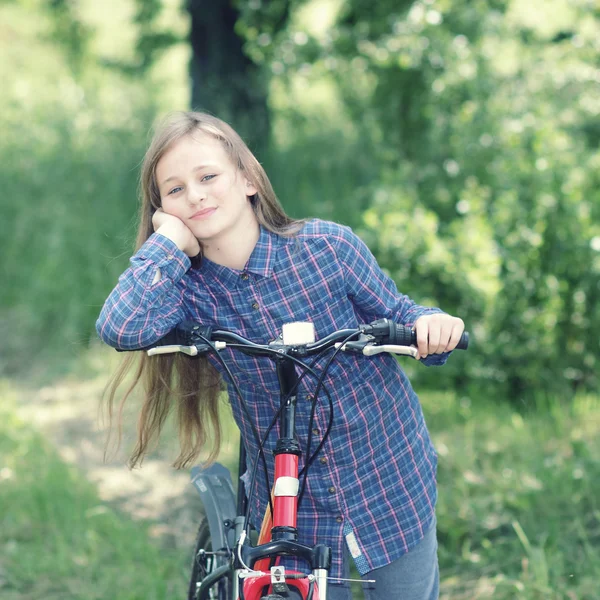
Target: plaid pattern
374 483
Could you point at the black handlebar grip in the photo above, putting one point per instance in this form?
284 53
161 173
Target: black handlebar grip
463 343
186 333
402 336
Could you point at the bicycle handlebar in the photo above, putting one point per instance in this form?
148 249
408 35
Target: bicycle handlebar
382 335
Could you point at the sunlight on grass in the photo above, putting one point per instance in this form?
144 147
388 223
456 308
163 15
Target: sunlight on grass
58 540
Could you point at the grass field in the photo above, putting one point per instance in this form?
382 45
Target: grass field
519 507
58 541
518 514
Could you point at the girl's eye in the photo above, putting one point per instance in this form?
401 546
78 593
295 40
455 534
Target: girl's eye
174 190
207 177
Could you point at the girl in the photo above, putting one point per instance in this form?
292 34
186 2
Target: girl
215 246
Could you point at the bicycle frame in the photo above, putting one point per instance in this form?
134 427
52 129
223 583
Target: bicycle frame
278 535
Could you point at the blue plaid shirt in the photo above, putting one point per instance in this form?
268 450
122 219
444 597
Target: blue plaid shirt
373 484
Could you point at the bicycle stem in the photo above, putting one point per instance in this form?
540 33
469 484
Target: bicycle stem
287 452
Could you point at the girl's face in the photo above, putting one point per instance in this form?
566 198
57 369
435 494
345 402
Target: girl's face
200 186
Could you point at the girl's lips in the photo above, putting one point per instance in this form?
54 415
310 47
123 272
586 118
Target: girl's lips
203 214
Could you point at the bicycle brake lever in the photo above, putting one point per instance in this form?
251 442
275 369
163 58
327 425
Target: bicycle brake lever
356 345
189 350
371 350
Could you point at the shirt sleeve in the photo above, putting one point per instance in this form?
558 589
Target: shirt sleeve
148 300
373 292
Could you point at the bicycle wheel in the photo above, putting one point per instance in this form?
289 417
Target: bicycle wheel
204 563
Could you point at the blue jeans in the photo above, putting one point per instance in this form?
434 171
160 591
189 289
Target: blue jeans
414 576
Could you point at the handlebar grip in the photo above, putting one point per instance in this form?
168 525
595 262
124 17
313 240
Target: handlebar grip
463 343
185 333
406 336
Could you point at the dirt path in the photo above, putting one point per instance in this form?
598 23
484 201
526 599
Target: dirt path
67 413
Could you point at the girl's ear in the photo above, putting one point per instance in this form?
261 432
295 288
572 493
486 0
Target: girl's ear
250 188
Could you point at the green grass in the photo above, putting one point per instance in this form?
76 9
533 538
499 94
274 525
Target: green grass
518 511
519 507
59 541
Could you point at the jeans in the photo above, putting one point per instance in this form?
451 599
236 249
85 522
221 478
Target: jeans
414 576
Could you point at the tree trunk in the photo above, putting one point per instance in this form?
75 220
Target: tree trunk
225 82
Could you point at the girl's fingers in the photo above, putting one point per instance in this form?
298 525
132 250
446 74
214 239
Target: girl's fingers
445 333
422 330
158 218
457 331
437 334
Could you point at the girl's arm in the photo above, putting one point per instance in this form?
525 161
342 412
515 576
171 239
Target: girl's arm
148 300
376 296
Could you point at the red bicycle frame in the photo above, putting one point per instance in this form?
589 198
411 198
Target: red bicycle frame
280 531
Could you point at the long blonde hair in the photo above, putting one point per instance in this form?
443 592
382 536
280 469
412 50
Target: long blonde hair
191 383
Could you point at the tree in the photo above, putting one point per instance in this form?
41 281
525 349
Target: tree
225 81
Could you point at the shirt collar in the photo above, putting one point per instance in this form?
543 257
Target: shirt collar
261 261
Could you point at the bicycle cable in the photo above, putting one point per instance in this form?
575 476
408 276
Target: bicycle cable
310 459
245 409
307 369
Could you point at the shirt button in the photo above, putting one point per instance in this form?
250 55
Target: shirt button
255 305
316 431
323 460
244 276
170 257
331 490
310 397
339 519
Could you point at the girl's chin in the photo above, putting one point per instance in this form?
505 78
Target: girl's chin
205 234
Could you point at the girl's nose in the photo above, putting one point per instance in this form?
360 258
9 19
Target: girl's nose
196 195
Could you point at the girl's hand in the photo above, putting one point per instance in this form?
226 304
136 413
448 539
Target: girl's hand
176 230
437 333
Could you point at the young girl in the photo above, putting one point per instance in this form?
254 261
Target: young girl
215 246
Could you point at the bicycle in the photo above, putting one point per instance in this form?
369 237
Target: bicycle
226 564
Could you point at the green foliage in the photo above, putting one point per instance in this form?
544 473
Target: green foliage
152 40
460 139
70 150
262 25
482 120
69 32
59 540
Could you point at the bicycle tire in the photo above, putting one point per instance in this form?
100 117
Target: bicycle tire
202 565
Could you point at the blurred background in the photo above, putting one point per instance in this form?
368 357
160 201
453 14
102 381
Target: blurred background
459 138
